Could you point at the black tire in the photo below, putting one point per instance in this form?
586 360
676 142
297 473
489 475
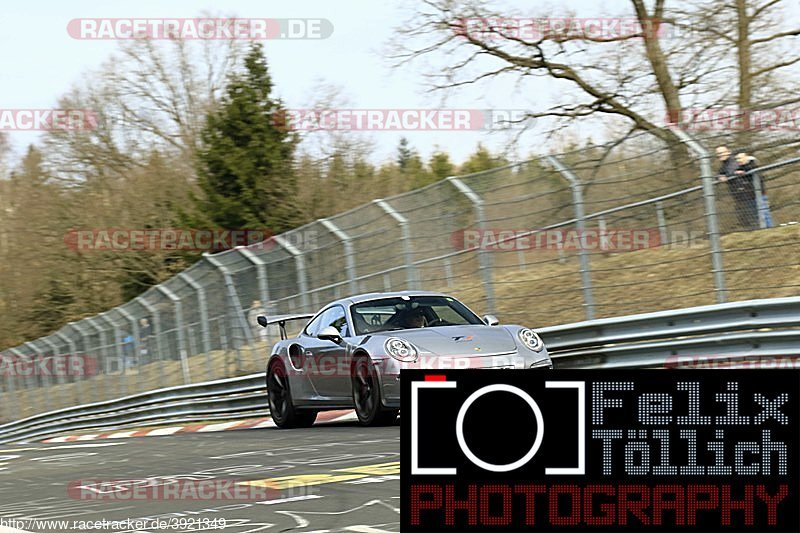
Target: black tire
281 408
367 395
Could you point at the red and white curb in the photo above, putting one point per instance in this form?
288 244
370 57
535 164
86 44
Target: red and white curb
255 423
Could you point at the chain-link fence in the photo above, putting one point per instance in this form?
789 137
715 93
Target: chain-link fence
647 223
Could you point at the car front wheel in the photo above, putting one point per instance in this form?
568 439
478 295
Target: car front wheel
284 413
367 395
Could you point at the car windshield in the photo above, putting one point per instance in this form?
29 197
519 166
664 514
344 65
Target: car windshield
398 313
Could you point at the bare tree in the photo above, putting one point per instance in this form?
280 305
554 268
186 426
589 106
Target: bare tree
674 57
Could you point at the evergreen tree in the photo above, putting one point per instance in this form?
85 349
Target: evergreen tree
440 165
246 158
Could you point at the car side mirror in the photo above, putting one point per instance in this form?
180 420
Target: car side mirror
330 333
490 320
262 321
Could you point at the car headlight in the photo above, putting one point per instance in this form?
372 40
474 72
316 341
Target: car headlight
531 340
400 349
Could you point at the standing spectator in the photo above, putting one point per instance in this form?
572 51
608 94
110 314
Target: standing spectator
145 340
741 188
128 352
747 166
256 309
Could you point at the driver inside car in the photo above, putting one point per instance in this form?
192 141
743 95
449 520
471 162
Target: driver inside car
413 318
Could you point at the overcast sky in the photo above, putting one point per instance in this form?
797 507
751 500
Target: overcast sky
40 61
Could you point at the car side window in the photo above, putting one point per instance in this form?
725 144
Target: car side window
314 326
335 317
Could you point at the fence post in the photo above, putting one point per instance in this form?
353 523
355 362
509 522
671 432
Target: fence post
203 304
45 380
760 207
137 354
662 224
179 330
405 235
118 344
20 358
300 263
85 341
484 260
73 353
235 306
156 325
261 275
12 402
103 349
710 200
577 199
62 393
349 253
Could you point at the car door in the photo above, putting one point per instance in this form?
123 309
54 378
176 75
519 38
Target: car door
329 361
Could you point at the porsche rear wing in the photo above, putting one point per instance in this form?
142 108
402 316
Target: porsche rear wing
281 320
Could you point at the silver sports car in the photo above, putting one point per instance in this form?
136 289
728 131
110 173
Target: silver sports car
350 354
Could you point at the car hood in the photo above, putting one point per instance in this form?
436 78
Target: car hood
473 340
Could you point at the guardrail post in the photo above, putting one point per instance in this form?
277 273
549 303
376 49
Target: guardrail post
120 349
261 276
349 253
300 265
710 200
44 382
32 397
156 325
405 236
235 306
103 349
203 307
583 254
60 378
484 259
179 330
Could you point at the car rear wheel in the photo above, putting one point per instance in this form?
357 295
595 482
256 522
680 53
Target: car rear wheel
367 395
284 413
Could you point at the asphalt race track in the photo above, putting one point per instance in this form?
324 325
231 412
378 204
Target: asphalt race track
334 477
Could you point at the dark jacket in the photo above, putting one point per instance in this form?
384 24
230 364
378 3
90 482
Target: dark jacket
750 167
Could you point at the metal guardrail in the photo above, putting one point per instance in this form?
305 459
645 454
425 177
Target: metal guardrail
240 397
731 331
